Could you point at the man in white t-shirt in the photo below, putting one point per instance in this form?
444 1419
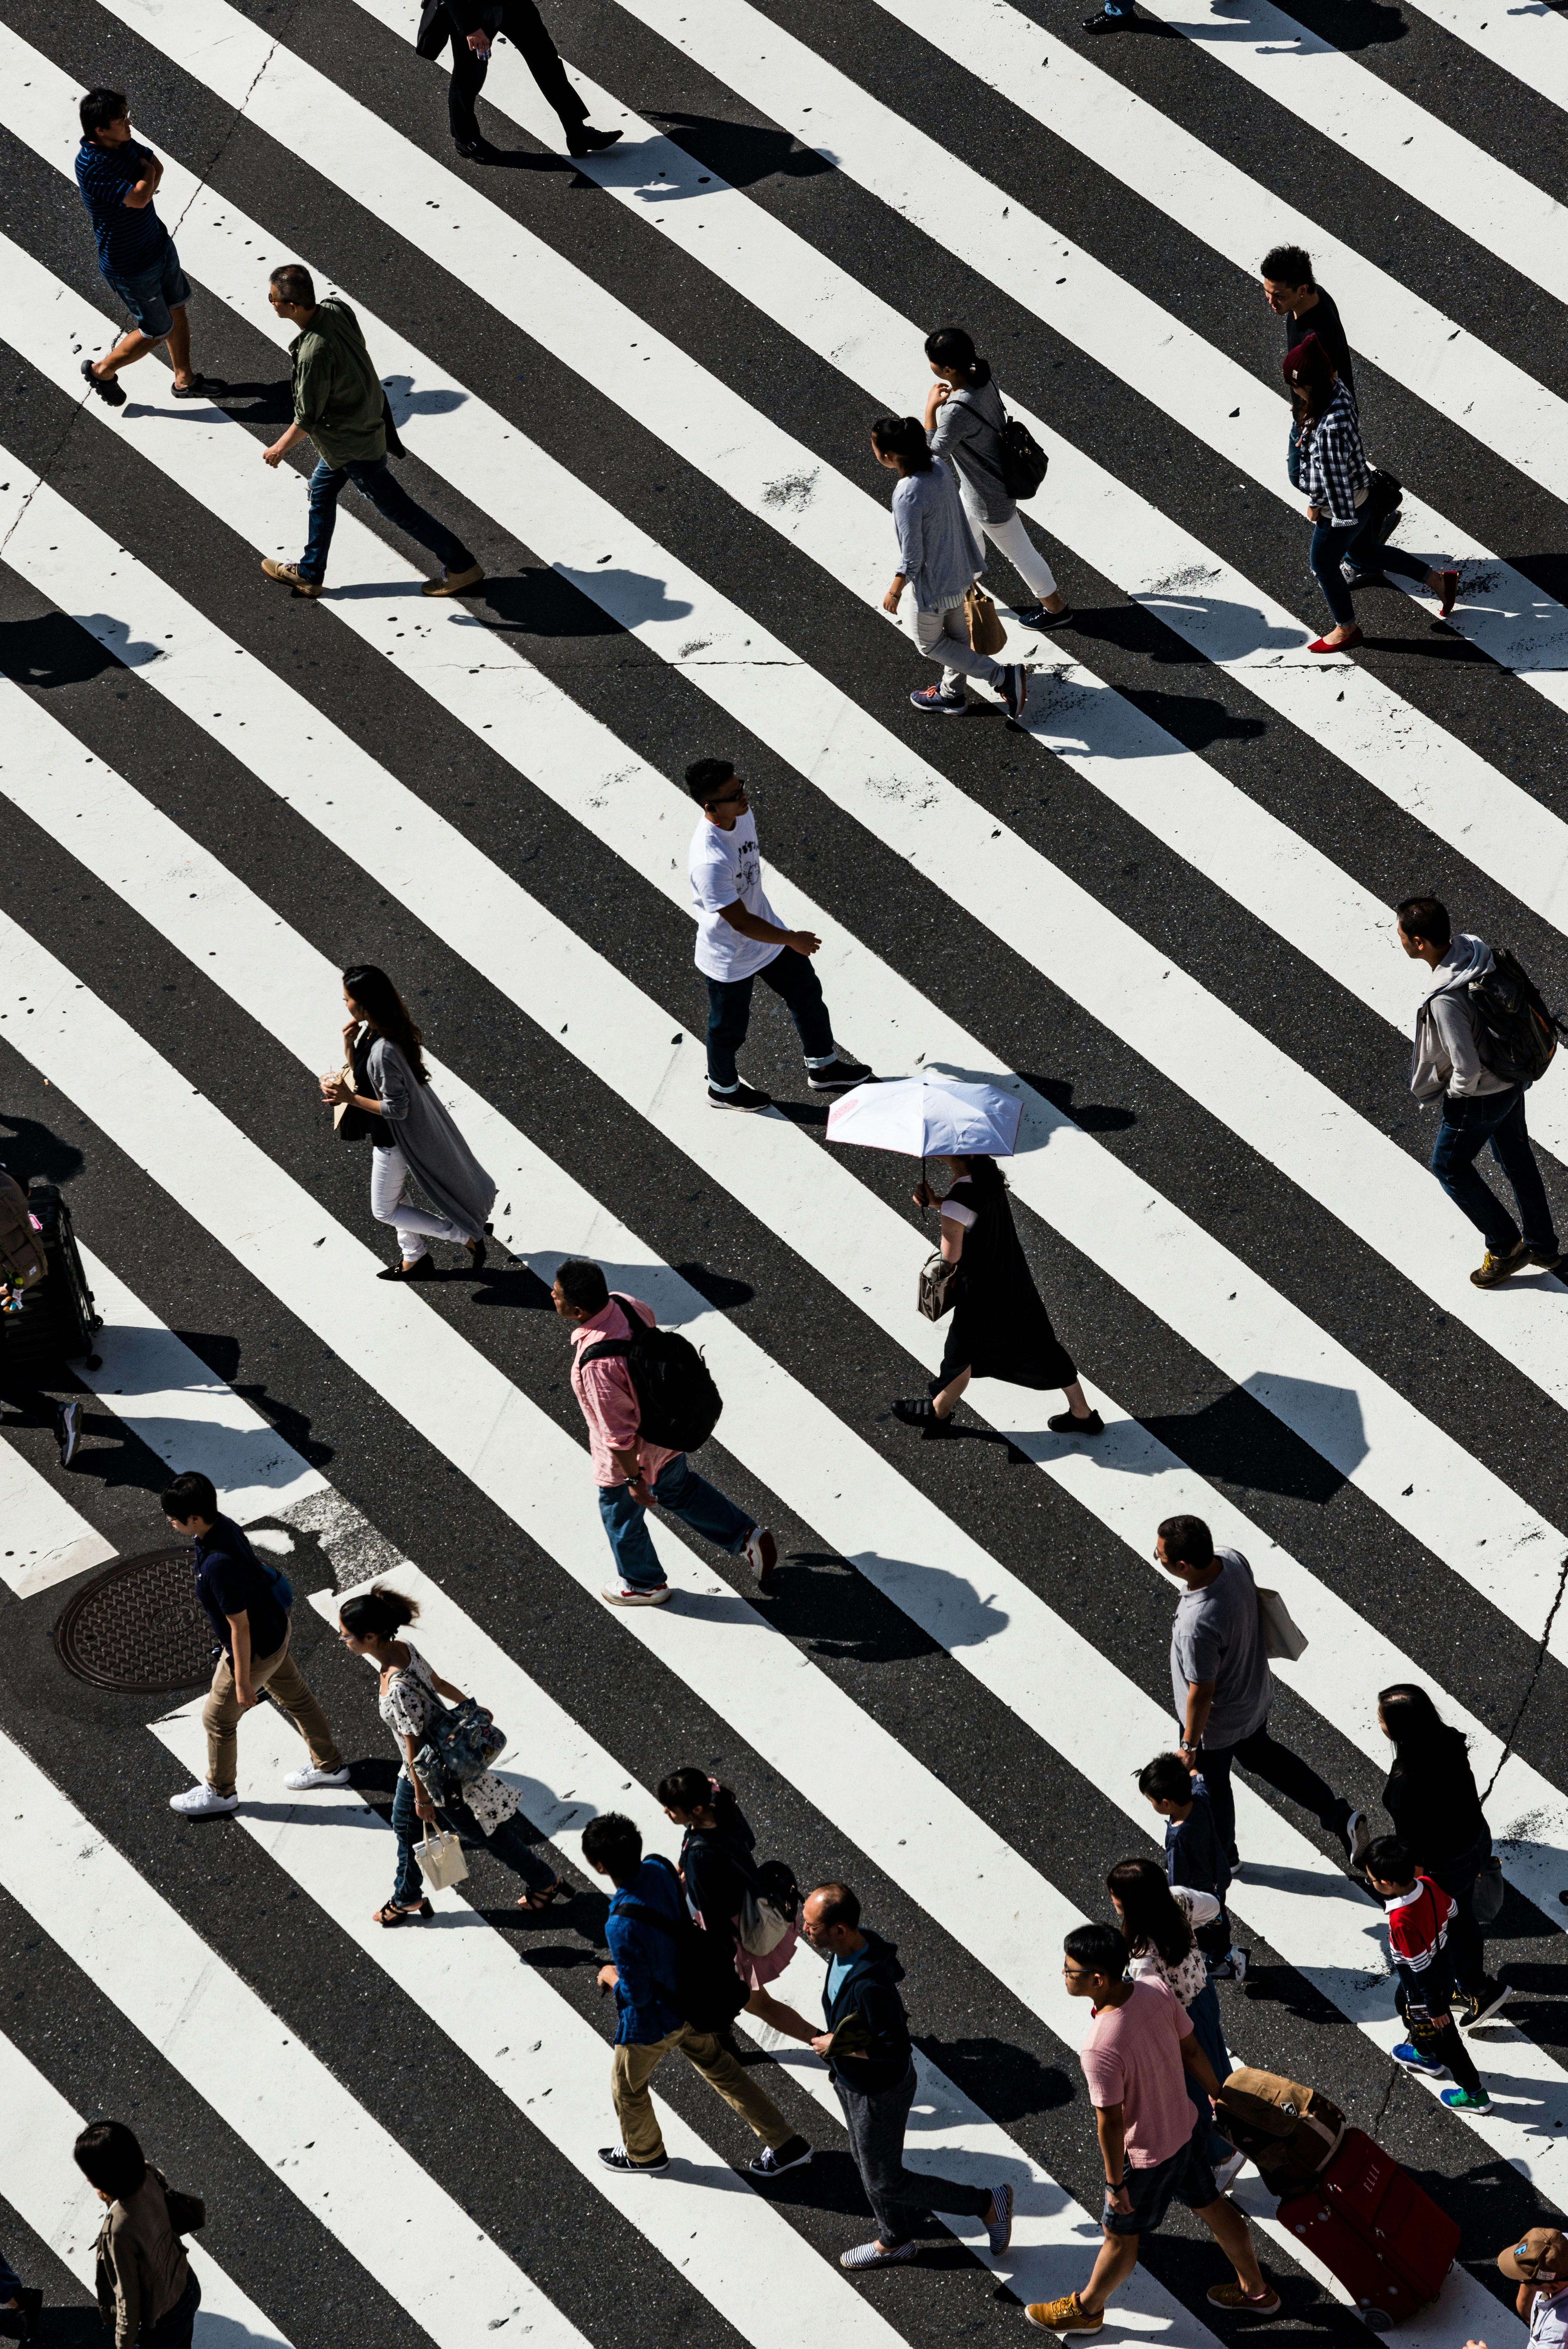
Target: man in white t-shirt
739 938
1537 2264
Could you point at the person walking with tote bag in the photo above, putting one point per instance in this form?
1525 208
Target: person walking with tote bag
719 1869
964 422
938 562
388 1099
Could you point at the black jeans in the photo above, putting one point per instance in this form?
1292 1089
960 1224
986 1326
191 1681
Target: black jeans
1434 2033
793 980
1467 1950
525 27
174 2331
1278 1767
901 2202
1469 1122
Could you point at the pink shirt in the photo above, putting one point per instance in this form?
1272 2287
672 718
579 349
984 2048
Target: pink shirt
609 1399
1132 2057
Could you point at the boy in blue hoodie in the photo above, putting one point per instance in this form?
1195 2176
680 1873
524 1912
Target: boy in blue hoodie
1194 1855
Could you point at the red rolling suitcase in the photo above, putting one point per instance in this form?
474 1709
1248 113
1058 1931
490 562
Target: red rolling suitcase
1372 2226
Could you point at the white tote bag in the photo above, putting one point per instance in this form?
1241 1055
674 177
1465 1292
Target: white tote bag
441 1861
761 1925
1282 1641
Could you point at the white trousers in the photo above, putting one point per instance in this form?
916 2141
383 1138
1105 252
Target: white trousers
945 636
388 1181
1011 539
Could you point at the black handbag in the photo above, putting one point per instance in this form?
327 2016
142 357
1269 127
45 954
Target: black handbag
1383 497
938 1287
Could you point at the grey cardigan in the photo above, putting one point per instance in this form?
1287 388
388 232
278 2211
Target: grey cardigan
936 549
968 433
424 1130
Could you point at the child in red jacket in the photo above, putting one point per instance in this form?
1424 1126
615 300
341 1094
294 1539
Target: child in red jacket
1418 1914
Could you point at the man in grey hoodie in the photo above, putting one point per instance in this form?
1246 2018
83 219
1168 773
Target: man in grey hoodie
1477 1106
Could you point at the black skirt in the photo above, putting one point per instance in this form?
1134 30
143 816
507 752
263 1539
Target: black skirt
1000 1327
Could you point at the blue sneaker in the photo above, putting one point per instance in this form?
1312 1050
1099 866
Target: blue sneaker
1414 2060
999 2221
932 698
1468 2100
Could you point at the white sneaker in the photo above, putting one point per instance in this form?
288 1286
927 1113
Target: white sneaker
621 1593
201 1803
761 1552
1227 2172
300 1781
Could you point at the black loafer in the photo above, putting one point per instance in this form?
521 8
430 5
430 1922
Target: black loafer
589 141
422 1268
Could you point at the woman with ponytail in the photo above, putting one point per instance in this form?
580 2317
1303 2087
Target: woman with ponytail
719 1869
1156 1919
938 562
964 422
391 1102
410 1699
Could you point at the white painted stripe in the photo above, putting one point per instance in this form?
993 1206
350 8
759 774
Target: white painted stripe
1526 38
44 2185
43 1539
173 1988
1460 182
1462 1511
811 1731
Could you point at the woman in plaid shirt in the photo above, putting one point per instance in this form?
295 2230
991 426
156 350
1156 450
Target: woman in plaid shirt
1335 475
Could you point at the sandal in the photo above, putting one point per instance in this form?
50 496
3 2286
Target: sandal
541 1897
392 1915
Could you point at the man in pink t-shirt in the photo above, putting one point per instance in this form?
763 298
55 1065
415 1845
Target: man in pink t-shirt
630 1473
1141 2042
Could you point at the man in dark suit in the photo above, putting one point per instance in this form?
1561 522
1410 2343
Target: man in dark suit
471 25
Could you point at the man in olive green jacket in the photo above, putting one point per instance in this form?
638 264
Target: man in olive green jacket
339 404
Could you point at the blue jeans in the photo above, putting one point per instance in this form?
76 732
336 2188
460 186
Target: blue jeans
372 477
1292 455
509 1843
1210 2034
1469 1122
793 980
1354 542
152 294
686 1496
10 2282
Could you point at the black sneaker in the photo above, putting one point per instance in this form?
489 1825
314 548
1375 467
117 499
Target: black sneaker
1354 576
840 1073
773 2161
743 1097
474 150
68 1430
589 141
1034 616
616 2157
1065 1423
1476 2008
109 389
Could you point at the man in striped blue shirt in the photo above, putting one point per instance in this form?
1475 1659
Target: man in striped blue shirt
118 179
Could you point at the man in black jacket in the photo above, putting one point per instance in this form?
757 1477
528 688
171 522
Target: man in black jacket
873 2073
471 25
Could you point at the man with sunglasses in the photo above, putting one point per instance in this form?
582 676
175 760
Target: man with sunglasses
739 940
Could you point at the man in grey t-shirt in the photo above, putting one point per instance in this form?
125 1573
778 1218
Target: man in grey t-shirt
1223 1687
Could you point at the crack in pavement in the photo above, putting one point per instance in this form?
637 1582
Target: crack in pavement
1536 1669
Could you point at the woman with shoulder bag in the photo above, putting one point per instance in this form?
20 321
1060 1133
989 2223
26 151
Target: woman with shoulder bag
964 422
388 1098
1335 476
1432 1797
146 2290
938 563
410 1699
1157 1922
719 1869
1000 1327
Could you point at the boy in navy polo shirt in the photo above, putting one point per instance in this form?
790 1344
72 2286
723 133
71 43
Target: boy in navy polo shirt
119 179
1195 1856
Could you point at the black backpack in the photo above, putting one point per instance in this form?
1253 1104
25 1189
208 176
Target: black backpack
1024 461
708 1992
1515 1034
677 1402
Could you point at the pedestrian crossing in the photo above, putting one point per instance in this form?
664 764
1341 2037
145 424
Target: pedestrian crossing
948 1694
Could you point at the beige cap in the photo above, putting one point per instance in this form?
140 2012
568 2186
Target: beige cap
1539 2256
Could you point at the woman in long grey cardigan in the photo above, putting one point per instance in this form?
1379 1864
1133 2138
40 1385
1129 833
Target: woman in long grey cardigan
937 562
964 421
412 1132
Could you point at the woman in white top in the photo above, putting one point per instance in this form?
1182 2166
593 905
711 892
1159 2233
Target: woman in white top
410 1699
1156 1921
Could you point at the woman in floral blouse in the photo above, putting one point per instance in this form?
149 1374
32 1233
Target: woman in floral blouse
1156 1922
410 1699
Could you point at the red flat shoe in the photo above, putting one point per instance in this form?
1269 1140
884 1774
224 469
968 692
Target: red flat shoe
1451 593
1322 645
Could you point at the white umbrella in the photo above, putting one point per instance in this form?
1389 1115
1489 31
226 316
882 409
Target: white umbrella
929 1116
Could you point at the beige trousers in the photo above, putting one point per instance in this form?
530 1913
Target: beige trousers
635 2067
222 1716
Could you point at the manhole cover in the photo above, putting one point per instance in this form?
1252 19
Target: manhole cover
137 1626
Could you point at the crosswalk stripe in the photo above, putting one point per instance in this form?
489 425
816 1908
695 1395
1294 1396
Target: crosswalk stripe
849 1765
619 1035
173 1988
54 2198
1528 42
43 1540
1497 208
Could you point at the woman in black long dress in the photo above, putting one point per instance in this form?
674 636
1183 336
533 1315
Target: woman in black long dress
1000 1329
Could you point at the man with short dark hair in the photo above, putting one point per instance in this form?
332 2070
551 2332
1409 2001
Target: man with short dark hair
1294 294
338 403
740 939
632 1473
1141 2040
1479 1106
1195 1858
249 1616
1224 1689
867 2048
118 179
647 1916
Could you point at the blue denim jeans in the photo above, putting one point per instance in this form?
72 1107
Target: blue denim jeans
796 984
373 478
1210 2034
153 294
10 2282
686 1496
1292 455
1354 542
1470 1123
509 1843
